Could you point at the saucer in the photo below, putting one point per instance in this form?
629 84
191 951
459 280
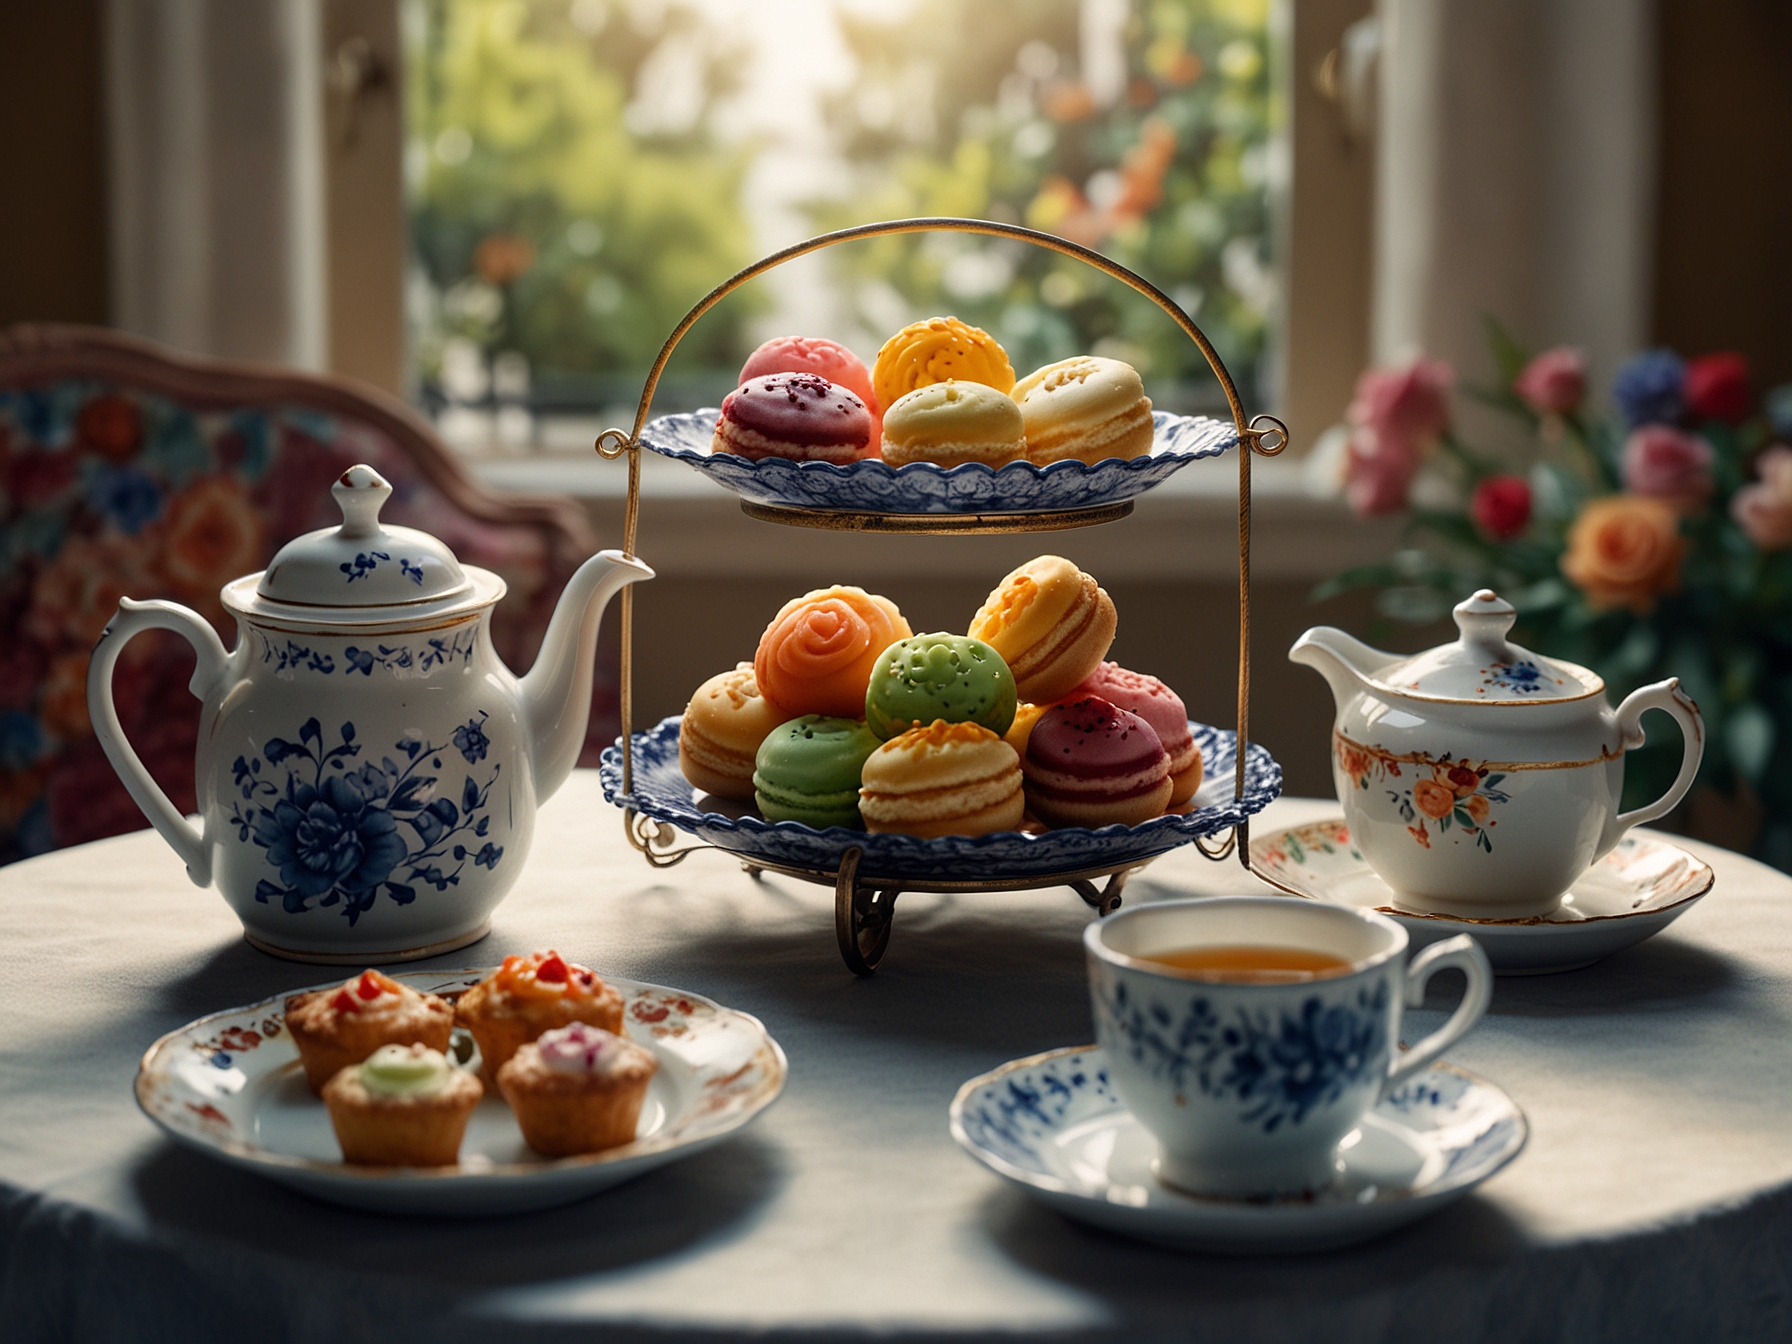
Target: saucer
1052 1125
1637 890
229 1085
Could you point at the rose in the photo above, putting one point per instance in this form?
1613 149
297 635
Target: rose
1668 464
1554 382
213 535
329 836
1408 405
1624 551
108 425
1763 509
1460 780
1717 387
1378 471
1433 799
1651 387
1501 506
1477 807
817 654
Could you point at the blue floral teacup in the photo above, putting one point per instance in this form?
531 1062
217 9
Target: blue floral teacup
1251 1088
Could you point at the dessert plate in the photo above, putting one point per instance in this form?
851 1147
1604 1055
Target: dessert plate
230 1086
662 792
1637 890
874 486
1052 1125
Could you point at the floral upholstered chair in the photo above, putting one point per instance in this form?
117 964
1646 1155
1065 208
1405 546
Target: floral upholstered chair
125 471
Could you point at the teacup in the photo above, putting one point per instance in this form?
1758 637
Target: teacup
1250 1088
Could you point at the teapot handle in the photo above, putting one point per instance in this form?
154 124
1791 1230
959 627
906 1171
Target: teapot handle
132 619
1663 695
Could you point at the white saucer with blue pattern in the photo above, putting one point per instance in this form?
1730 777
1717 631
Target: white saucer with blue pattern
1052 1125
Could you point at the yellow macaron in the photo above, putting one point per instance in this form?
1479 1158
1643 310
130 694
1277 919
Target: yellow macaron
1052 624
952 423
1087 408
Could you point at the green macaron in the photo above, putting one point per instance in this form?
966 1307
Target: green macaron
950 677
808 769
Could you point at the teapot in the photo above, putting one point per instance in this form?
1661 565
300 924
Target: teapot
368 769
1479 780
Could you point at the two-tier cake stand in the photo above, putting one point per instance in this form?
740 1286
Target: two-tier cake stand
869 871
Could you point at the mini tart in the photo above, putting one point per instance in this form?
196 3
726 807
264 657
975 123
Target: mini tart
1052 623
721 730
529 995
577 1090
952 423
422 1127
944 779
1086 408
334 1028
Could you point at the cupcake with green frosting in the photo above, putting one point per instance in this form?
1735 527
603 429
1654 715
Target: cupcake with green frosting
403 1106
949 677
808 769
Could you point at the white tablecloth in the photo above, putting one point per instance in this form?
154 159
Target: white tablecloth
1652 1203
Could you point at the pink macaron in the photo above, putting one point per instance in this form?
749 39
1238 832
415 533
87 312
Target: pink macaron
1091 763
800 416
1160 707
829 359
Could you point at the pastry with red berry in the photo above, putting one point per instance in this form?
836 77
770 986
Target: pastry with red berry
529 995
334 1028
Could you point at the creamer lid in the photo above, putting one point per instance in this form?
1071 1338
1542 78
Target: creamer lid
1483 666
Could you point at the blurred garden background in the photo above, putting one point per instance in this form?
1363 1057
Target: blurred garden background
580 172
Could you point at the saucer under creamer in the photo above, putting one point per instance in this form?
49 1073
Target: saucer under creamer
1053 1126
1644 884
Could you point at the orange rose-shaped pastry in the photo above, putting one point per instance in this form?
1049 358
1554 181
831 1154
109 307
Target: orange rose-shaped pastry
817 654
941 348
1625 551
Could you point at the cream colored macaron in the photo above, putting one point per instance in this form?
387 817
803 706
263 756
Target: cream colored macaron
720 733
1087 408
944 779
952 423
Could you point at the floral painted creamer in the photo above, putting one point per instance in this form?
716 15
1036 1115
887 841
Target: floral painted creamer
368 770
1479 779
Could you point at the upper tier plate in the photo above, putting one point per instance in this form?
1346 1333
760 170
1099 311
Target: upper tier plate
874 486
662 792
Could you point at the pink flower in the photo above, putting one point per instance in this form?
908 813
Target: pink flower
1717 387
1764 509
1554 382
1664 463
1501 507
1378 472
1408 405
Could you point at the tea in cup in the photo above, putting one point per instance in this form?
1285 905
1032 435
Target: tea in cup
1250 1034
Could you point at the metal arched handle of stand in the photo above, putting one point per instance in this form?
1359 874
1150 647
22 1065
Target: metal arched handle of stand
1261 435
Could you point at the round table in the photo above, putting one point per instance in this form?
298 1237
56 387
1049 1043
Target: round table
1652 1202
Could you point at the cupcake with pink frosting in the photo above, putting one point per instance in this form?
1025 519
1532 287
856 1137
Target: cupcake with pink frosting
577 1089
1160 707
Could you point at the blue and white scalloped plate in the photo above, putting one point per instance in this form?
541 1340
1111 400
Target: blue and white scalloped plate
662 792
874 486
1052 1125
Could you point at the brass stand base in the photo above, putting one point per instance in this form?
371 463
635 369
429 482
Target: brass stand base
933 524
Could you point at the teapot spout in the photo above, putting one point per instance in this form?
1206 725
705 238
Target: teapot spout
556 693
1343 660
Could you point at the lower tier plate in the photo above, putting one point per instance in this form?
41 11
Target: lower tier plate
663 793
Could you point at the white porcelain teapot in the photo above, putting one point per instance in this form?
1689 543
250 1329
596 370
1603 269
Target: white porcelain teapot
1478 779
368 769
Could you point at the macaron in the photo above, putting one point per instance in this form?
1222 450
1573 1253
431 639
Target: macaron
1160 707
944 779
952 423
1051 623
1091 763
720 733
1026 715
1087 408
800 416
939 676
829 359
941 348
817 654
807 770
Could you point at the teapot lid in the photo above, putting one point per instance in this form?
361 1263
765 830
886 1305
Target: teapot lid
1483 666
363 570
